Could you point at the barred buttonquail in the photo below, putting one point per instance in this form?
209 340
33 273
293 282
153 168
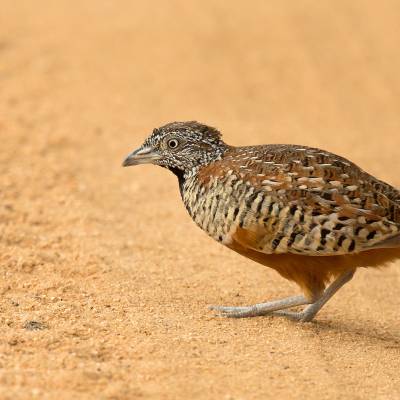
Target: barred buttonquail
311 215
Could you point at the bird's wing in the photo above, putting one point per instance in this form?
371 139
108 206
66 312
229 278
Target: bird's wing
308 201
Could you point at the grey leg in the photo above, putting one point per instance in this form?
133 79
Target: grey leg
262 308
311 311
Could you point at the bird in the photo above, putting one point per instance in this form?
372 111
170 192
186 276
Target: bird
311 215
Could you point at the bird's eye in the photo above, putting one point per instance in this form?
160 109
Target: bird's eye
173 143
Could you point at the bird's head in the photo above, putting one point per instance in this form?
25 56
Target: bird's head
179 146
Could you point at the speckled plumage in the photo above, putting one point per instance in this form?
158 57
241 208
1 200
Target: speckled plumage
310 214
293 200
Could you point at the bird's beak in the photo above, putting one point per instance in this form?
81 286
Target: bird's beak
142 155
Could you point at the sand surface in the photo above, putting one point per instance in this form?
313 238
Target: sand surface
105 280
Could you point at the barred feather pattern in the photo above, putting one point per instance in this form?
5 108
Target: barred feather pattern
292 199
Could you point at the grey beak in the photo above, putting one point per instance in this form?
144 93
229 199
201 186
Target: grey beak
142 155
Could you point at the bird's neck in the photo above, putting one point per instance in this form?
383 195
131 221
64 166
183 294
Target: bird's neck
180 174
190 173
184 177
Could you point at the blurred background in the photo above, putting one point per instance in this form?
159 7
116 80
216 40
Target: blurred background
105 279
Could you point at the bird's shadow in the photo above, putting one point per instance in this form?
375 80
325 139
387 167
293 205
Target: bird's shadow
388 336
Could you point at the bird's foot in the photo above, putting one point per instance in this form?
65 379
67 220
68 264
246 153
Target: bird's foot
302 316
260 309
278 307
311 310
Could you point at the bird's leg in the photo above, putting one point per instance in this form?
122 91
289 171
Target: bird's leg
262 308
311 311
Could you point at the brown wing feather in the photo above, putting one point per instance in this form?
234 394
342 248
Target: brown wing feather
323 203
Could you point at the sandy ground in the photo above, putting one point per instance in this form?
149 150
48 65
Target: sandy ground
105 281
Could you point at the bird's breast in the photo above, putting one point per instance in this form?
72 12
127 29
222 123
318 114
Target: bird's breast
221 206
